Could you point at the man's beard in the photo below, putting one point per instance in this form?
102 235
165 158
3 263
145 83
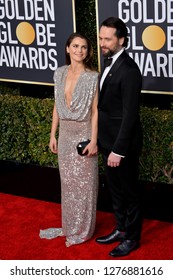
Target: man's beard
109 53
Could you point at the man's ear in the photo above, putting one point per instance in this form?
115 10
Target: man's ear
121 41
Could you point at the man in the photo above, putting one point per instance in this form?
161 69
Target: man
120 135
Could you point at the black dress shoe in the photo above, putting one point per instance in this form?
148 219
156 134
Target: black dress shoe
124 248
116 235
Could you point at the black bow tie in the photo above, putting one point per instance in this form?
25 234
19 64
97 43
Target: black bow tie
107 61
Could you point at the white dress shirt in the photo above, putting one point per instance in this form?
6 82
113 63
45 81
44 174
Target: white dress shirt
114 58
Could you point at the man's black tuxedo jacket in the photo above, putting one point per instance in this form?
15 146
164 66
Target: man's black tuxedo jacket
119 122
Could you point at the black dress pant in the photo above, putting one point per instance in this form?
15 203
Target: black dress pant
126 194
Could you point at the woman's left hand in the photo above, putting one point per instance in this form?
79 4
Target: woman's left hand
92 149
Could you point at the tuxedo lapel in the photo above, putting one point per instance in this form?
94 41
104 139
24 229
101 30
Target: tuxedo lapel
115 66
111 73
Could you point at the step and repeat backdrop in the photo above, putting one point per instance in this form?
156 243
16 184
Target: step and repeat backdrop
33 35
150 28
32 38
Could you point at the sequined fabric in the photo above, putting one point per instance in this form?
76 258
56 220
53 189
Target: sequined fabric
79 174
84 92
51 233
79 183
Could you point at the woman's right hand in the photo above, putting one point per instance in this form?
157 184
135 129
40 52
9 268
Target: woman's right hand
53 145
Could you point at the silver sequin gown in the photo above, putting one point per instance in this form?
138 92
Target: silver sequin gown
79 174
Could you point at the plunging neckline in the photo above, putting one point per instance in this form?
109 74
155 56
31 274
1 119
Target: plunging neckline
74 90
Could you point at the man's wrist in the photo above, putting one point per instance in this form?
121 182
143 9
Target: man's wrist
118 155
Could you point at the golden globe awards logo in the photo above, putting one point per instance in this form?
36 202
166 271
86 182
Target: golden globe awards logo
153 38
27 34
150 30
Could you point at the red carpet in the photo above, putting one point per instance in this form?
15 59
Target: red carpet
22 218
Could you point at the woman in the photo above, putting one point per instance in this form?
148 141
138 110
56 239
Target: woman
75 112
